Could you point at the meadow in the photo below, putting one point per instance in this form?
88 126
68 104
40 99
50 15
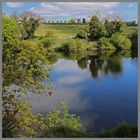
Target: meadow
68 30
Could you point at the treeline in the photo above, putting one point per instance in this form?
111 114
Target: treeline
71 21
132 23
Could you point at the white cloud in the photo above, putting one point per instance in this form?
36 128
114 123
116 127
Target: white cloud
14 4
130 5
59 10
71 80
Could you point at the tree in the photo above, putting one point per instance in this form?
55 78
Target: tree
72 21
107 26
29 23
96 28
10 29
116 26
83 20
79 21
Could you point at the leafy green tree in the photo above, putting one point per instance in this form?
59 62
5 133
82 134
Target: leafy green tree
29 23
24 64
96 28
83 33
72 21
10 29
116 26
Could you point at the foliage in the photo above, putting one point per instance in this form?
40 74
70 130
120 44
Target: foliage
134 39
29 23
62 118
131 23
26 124
104 43
48 41
96 28
10 29
122 130
9 121
83 33
72 21
114 27
24 64
121 42
72 45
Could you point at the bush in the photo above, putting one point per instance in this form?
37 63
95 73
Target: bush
96 28
104 43
114 27
121 42
69 46
10 29
91 46
48 41
82 33
122 130
73 45
80 44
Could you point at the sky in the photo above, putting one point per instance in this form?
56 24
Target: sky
68 10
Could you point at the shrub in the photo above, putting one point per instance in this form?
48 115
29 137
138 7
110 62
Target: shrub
73 45
114 27
91 46
69 45
121 42
122 130
104 43
82 33
48 41
10 29
80 44
96 28
29 22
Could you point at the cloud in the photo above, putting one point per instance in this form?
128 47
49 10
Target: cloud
130 5
54 10
71 80
14 4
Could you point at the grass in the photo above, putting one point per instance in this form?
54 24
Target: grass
66 31
71 30
122 130
129 30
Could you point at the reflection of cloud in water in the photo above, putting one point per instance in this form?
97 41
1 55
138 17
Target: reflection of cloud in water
68 80
68 95
67 87
75 87
67 66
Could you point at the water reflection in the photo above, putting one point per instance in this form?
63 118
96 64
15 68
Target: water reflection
100 87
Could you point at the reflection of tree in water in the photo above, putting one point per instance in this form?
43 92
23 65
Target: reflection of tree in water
114 65
97 62
82 63
100 64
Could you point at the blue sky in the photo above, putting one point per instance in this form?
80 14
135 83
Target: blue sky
67 10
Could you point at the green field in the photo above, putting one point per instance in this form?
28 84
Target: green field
60 30
68 31
130 30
